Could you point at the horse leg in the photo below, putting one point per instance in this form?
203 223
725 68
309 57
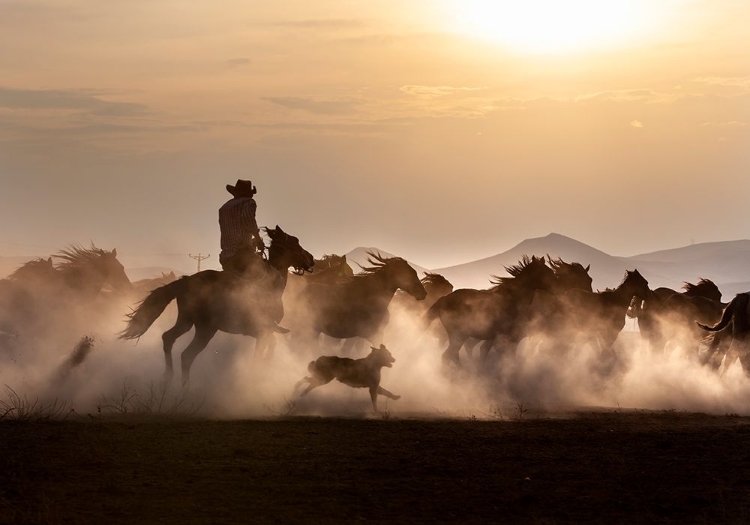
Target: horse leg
352 343
202 336
451 353
484 350
181 327
383 392
469 346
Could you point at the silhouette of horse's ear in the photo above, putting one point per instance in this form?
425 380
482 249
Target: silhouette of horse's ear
49 260
587 268
114 252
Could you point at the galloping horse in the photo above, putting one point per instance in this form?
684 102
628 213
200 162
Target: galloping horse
490 315
600 316
436 287
547 309
735 321
40 296
213 301
545 305
665 313
358 307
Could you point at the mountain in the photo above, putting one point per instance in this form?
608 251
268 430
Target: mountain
726 263
606 270
722 262
359 256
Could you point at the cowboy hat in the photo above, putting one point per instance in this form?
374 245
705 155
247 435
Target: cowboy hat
242 188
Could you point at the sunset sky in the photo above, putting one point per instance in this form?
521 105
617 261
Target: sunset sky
442 130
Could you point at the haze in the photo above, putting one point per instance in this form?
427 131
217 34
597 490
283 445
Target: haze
408 126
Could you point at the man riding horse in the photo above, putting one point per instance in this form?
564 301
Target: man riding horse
241 244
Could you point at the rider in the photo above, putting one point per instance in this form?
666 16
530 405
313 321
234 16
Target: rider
241 244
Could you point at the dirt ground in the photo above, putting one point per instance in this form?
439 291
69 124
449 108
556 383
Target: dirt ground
610 466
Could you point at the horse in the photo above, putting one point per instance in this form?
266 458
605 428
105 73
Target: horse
597 316
545 304
668 315
734 321
436 287
490 315
215 301
41 296
358 307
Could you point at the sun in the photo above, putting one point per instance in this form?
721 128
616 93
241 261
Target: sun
554 26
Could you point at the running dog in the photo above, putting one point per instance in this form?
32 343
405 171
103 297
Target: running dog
357 373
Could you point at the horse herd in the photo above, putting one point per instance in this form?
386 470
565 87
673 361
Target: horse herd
548 302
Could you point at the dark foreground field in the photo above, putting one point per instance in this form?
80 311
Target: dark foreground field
594 467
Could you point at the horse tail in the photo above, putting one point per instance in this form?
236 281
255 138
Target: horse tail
148 310
728 314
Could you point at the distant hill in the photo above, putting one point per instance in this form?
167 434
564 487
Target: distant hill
606 270
723 262
359 256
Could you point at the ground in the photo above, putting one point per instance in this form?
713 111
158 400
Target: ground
608 466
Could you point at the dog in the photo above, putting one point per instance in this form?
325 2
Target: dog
357 373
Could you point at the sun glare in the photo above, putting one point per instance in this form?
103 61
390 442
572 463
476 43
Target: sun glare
555 26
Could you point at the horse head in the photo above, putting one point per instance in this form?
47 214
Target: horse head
635 284
112 271
436 285
287 251
335 264
398 273
37 272
570 275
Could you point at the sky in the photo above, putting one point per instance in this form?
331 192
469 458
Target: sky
443 131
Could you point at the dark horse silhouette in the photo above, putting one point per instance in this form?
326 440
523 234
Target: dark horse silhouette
436 287
666 314
734 330
490 315
213 301
41 297
358 307
599 317
545 304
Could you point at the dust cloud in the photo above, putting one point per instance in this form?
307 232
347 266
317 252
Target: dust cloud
78 360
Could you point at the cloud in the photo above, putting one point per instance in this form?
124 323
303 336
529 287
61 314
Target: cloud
322 23
725 81
725 124
317 106
238 62
636 123
68 99
435 91
648 96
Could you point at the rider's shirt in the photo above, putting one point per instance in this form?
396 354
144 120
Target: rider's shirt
237 224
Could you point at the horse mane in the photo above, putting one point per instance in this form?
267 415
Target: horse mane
703 288
433 278
75 257
330 257
515 271
377 263
558 265
29 269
